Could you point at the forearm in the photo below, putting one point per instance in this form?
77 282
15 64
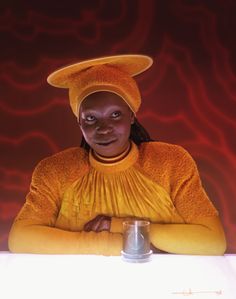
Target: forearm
188 239
33 238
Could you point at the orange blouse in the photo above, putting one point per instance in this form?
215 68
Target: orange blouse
155 181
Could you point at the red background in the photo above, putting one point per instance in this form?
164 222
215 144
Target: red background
189 95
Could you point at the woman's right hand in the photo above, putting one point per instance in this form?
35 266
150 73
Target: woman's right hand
98 224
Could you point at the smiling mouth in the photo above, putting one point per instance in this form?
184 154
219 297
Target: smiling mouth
105 143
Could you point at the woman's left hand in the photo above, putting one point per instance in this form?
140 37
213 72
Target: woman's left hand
98 224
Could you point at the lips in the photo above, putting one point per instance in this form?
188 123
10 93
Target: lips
105 142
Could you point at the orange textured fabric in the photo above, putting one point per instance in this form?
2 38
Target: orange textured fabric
110 73
171 172
103 78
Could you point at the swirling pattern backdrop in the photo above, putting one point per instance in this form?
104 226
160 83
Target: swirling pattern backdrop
189 93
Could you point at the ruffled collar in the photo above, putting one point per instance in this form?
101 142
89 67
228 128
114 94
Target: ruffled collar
115 164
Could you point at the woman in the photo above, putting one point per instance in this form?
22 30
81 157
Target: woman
79 197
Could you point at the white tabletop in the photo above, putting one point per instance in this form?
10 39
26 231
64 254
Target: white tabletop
83 276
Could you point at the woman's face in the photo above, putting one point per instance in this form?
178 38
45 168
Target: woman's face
105 121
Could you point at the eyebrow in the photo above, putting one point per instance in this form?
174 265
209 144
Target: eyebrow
93 110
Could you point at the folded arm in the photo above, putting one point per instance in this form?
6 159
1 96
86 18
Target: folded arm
30 237
204 237
34 229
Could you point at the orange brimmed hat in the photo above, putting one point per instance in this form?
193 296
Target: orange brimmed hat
112 73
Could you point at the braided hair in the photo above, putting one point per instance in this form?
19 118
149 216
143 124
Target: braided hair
138 134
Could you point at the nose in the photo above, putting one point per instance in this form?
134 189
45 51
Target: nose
104 127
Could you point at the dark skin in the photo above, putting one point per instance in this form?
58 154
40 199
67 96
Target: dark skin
105 121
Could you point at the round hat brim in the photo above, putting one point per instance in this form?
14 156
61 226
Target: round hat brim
132 64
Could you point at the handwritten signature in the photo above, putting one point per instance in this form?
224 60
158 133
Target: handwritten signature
189 292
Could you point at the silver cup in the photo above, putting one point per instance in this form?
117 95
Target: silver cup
136 241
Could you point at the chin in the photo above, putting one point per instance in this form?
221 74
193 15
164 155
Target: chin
108 151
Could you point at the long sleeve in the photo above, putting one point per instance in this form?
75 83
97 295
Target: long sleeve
201 232
160 183
187 192
205 237
31 237
34 229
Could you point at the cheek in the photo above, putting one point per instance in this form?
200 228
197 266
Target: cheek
124 129
86 131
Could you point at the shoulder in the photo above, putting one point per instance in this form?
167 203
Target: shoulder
162 149
166 154
66 160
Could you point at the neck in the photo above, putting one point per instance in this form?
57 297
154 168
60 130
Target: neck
112 159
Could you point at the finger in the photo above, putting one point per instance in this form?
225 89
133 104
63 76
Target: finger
97 224
104 224
91 225
87 227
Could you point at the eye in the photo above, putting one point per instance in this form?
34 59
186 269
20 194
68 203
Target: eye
116 114
90 118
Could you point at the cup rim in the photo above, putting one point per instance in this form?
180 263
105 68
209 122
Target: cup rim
136 223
